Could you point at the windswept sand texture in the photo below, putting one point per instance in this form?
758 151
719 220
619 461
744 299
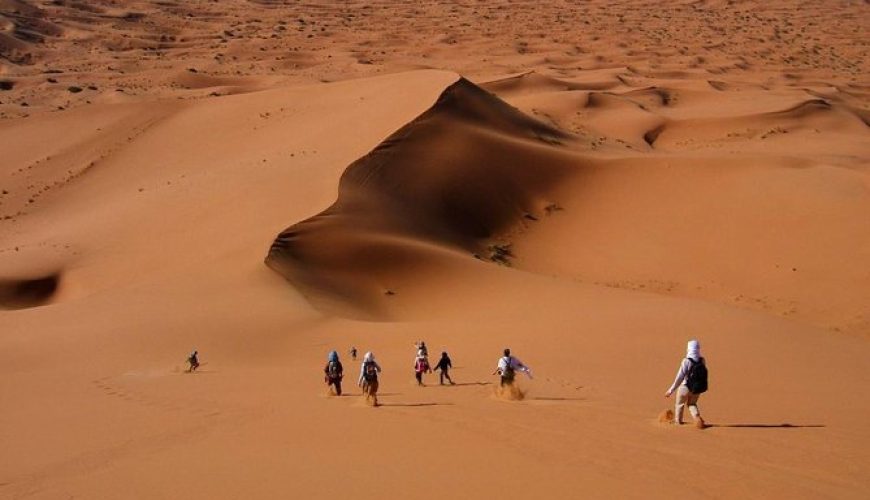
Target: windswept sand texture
590 185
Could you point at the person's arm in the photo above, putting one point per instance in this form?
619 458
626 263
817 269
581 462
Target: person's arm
362 373
520 367
681 374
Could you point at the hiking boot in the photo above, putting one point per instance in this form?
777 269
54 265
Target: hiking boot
700 424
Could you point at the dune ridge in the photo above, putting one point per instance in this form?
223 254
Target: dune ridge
458 176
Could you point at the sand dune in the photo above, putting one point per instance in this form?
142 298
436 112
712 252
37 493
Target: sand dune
457 176
590 184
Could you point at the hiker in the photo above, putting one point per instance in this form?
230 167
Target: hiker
334 372
690 382
421 366
368 378
193 361
422 350
444 364
353 353
508 366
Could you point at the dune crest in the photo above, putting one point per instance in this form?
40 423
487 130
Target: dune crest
455 178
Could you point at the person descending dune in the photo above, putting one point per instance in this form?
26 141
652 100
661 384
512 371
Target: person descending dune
368 378
691 380
507 368
422 350
193 361
444 364
334 372
421 366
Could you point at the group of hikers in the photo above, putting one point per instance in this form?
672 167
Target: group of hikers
370 369
689 384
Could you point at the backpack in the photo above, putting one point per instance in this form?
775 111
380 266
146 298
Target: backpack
370 372
508 372
334 370
696 377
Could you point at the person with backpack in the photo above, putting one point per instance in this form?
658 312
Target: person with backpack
444 364
421 366
422 350
334 372
690 383
193 361
368 378
507 368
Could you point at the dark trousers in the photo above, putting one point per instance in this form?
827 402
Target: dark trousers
444 374
337 383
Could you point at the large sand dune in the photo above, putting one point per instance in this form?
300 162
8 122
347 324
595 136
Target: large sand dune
590 185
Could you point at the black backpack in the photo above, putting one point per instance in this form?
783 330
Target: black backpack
334 370
370 372
508 372
696 378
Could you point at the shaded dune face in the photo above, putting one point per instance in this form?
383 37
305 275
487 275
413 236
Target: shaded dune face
447 183
31 292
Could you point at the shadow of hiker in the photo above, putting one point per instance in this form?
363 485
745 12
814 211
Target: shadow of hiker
415 404
766 426
554 398
461 384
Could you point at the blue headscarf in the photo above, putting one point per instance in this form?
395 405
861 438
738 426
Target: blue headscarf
333 356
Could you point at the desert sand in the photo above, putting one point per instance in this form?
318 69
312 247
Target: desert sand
591 184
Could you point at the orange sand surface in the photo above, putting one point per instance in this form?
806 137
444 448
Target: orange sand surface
588 183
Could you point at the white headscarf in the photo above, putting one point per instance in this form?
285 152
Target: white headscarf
693 350
368 357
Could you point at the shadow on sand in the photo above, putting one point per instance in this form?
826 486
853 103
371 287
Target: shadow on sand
414 404
765 426
553 398
463 384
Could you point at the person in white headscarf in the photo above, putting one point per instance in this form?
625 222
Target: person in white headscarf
686 397
368 378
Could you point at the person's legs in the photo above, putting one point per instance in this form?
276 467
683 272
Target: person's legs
419 377
441 377
338 387
692 402
447 374
373 390
682 397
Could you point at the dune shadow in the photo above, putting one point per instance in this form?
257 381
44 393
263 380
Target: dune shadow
27 293
766 426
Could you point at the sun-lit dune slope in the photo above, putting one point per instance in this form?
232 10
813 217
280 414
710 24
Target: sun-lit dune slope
456 177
